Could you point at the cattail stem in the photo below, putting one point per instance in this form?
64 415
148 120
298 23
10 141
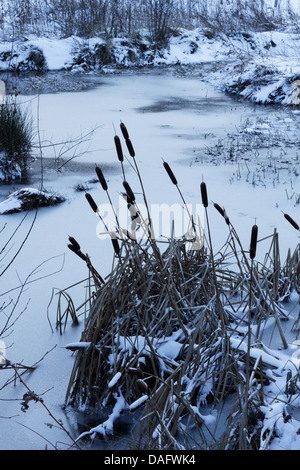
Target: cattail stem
94 207
132 154
175 182
103 183
75 248
205 203
253 245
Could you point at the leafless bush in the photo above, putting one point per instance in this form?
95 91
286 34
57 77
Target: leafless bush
130 17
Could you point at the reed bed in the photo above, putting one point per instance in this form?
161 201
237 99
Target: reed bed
176 336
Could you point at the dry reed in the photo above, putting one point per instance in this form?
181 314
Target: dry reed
175 333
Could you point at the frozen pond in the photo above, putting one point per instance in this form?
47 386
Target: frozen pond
201 132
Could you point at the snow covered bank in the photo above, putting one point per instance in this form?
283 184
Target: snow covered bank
263 67
26 199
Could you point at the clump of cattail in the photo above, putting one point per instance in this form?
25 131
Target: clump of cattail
170 173
91 202
222 212
119 148
101 178
291 221
253 241
204 194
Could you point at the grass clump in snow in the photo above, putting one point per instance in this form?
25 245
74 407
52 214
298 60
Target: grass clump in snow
177 338
15 140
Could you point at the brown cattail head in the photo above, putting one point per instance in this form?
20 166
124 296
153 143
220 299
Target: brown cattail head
170 173
77 252
253 241
204 194
135 371
130 147
222 212
119 148
74 243
101 178
142 386
91 202
129 193
292 222
124 131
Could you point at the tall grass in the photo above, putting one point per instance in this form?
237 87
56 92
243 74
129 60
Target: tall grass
15 139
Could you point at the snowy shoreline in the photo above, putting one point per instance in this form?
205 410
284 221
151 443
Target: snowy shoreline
263 67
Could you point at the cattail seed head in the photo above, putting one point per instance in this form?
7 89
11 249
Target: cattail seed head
129 192
130 148
101 178
91 202
170 173
222 212
119 148
219 209
124 131
135 371
142 386
74 243
204 194
77 252
292 222
115 243
253 241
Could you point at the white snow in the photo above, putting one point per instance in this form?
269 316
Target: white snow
114 380
137 403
